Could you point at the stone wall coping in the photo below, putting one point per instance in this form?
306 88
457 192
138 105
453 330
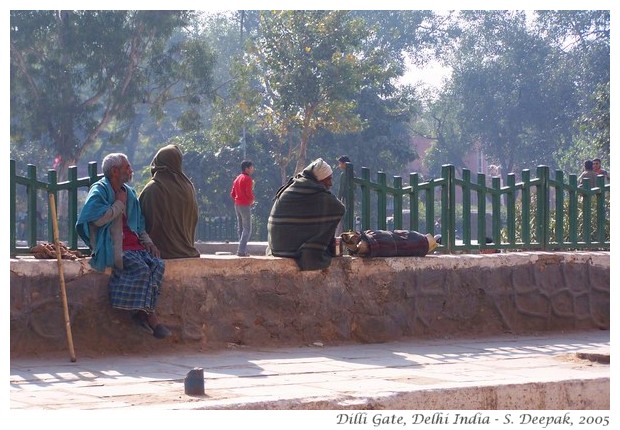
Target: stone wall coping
231 264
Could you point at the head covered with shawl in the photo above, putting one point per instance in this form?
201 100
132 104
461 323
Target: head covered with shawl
303 219
169 205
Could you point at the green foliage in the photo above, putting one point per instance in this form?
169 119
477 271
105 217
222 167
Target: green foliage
310 67
510 101
384 144
521 87
571 158
595 125
75 73
450 144
593 137
422 34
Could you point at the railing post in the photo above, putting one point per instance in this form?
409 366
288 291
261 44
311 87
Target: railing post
398 202
231 229
72 206
448 207
13 207
559 207
32 205
482 210
52 188
573 214
349 198
542 206
496 211
381 201
511 200
365 198
466 190
92 173
414 202
600 209
587 212
525 208
429 198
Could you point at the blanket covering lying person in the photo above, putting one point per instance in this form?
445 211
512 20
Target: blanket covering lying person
303 222
382 243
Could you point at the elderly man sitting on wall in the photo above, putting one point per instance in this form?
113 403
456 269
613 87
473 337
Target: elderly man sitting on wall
112 225
304 217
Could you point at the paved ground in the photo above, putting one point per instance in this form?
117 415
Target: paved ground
550 371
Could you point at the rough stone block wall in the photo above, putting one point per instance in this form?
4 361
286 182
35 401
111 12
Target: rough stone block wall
225 301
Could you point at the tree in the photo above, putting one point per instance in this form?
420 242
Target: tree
380 111
516 94
311 65
420 35
582 36
385 142
596 124
592 139
75 73
440 123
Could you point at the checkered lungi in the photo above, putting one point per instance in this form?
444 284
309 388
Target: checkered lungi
137 286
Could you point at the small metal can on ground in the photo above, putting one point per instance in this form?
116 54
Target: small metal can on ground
337 247
195 382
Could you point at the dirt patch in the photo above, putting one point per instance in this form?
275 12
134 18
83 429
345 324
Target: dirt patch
587 357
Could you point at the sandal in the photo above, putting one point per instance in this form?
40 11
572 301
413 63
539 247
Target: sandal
161 331
140 319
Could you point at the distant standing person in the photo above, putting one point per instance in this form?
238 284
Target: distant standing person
598 169
343 185
242 193
168 202
588 174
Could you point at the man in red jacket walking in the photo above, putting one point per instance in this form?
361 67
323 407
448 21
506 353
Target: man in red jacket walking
242 193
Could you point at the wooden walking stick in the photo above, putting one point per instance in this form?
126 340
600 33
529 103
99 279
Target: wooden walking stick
61 274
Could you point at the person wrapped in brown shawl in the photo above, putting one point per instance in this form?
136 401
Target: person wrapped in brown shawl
168 202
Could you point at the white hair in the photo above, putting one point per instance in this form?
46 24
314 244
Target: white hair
112 160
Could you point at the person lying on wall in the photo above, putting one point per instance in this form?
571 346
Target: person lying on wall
383 243
112 225
303 219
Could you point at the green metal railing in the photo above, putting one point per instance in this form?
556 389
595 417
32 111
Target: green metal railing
36 195
216 229
540 213
535 213
34 222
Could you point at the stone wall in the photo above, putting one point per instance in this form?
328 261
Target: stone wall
227 301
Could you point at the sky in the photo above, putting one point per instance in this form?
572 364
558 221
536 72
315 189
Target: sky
430 75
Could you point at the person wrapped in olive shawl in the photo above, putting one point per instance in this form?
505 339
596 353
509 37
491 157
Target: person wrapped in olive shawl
168 202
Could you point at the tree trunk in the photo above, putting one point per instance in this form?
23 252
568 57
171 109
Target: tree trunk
305 137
